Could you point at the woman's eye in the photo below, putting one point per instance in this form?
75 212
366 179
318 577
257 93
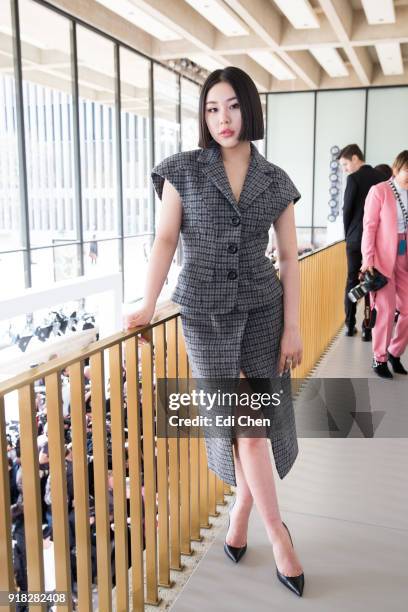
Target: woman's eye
211 109
235 105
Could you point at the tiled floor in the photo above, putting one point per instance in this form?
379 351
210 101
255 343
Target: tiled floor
346 504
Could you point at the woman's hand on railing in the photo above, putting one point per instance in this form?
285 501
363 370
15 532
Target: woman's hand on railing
141 316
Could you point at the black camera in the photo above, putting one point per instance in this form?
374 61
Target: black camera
371 282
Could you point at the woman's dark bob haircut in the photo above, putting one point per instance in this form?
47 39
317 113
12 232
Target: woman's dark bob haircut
248 98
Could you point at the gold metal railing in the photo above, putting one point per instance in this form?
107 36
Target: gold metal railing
323 276
171 490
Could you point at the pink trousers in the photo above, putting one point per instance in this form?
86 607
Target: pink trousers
386 300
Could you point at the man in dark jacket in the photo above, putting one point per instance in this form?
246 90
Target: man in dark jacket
361 177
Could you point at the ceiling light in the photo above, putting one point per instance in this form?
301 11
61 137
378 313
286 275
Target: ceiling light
135 15
272 64
379 11
390 57
299 12
221 16
330 59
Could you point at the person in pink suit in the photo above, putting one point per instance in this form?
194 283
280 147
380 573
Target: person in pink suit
384 247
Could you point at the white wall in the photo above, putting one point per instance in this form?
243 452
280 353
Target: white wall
387 124
339 121
290 144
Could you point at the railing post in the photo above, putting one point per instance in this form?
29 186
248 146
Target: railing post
212 499
56 451
185 540
81 488
119 469
135 473
103 531
204 523
31 491
149 472
162 463
195 433
174 459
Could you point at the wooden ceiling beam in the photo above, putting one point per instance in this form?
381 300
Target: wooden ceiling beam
340 15
266 22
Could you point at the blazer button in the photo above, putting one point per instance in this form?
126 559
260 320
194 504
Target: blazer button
235 220
232 275
232 248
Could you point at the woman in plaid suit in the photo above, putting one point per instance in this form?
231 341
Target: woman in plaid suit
240 321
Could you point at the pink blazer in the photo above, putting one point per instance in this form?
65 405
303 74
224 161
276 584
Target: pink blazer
379 243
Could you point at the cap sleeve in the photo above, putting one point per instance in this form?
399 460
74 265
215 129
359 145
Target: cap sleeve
171 169
286 191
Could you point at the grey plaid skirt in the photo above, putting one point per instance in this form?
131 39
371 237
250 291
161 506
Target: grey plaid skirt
219 346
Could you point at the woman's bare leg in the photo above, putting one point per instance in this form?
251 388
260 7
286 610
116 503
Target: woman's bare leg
253 453
237 532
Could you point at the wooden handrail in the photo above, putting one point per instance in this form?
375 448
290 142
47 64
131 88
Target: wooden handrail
164 312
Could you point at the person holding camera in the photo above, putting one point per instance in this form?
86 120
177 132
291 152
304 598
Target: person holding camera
384 248
361 177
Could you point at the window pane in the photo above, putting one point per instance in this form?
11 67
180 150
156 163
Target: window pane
190 93
304 239
387 127
135 126
57 263
322 237
136 258
166 126
96 73
101 257
47 91
10 213
11 273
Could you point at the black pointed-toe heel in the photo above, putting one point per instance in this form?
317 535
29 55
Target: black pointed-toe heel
294 583
235 553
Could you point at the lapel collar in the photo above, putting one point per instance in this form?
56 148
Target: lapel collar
213 168
259 176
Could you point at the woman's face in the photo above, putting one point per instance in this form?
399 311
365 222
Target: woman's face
402 177
223 115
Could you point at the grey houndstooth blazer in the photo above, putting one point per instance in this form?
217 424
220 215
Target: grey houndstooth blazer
224 242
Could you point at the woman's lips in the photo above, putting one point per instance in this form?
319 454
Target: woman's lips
227 133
